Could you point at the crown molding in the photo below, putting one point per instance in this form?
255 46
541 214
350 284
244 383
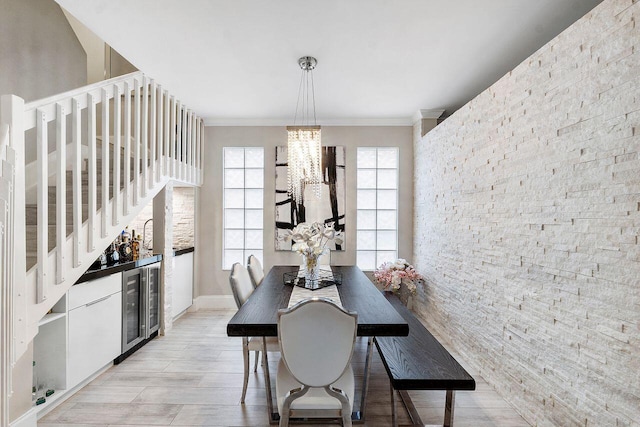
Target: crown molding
427 114
399 121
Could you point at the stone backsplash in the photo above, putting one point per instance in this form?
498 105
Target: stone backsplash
183 219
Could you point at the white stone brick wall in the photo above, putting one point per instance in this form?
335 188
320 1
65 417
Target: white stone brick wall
527 213
183 218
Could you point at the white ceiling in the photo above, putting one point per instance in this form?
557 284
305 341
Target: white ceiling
379 61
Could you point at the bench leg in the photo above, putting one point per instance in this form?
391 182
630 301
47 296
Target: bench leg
449 406
394 416
411 409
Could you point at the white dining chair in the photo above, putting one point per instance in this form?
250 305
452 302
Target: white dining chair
255 270
242 288
315 378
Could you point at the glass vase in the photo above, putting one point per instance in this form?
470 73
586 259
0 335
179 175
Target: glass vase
405 295
312 270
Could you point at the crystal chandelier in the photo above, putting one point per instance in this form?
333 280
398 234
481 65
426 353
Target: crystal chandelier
304 156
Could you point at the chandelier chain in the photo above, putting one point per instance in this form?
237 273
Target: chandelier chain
304 149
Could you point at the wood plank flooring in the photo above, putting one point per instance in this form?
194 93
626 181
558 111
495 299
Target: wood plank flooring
193 377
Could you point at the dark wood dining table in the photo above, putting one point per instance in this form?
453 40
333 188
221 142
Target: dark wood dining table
258 317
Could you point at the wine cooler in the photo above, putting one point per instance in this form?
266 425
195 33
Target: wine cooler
140 308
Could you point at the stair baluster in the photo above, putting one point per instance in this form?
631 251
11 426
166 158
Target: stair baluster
63 218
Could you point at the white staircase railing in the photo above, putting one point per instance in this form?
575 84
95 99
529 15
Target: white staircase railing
148 138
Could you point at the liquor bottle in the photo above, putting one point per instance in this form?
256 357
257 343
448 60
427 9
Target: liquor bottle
113 257
125 235
135 247
124 248
103 259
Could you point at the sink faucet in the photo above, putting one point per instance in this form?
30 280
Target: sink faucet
144 235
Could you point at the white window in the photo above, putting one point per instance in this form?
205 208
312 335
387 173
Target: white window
377 206
243 204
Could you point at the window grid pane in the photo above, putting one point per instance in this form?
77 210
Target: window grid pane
377 206
243 186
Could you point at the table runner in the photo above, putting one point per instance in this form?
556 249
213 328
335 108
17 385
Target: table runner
330 292
298 294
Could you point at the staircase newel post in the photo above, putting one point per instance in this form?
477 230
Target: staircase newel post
14 327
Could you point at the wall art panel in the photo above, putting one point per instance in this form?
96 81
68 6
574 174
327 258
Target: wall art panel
330 207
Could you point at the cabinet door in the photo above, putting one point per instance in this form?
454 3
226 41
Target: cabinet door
134 308
182 283
94 337
153 290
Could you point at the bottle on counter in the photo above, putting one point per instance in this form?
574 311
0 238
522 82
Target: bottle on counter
102 259
113 256
124 248
100 262
135 246
125 235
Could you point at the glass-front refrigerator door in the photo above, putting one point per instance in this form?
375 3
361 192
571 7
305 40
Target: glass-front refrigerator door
154 299
133 308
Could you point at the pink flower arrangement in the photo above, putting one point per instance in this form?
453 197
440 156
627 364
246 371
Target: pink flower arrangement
391 274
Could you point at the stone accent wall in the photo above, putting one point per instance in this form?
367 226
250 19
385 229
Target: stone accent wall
183 219
527 213
183 216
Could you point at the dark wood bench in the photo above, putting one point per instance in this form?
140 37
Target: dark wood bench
420 362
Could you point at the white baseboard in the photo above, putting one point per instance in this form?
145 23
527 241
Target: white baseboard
214 302
28 419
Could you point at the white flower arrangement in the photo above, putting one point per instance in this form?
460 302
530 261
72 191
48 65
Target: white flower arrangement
310 240
391 274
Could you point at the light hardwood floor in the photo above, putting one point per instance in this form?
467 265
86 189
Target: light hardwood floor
193 377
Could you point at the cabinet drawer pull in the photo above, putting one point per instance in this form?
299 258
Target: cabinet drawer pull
97 301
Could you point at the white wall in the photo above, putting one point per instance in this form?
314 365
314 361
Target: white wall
41 55
210 278
527 208
93 46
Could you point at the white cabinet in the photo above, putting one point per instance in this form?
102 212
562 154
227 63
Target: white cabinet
79 337
50 350
95 325
182 283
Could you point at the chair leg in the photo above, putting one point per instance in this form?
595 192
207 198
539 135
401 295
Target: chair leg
284 420
286 405
245 356
346 419
255 365
344 401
